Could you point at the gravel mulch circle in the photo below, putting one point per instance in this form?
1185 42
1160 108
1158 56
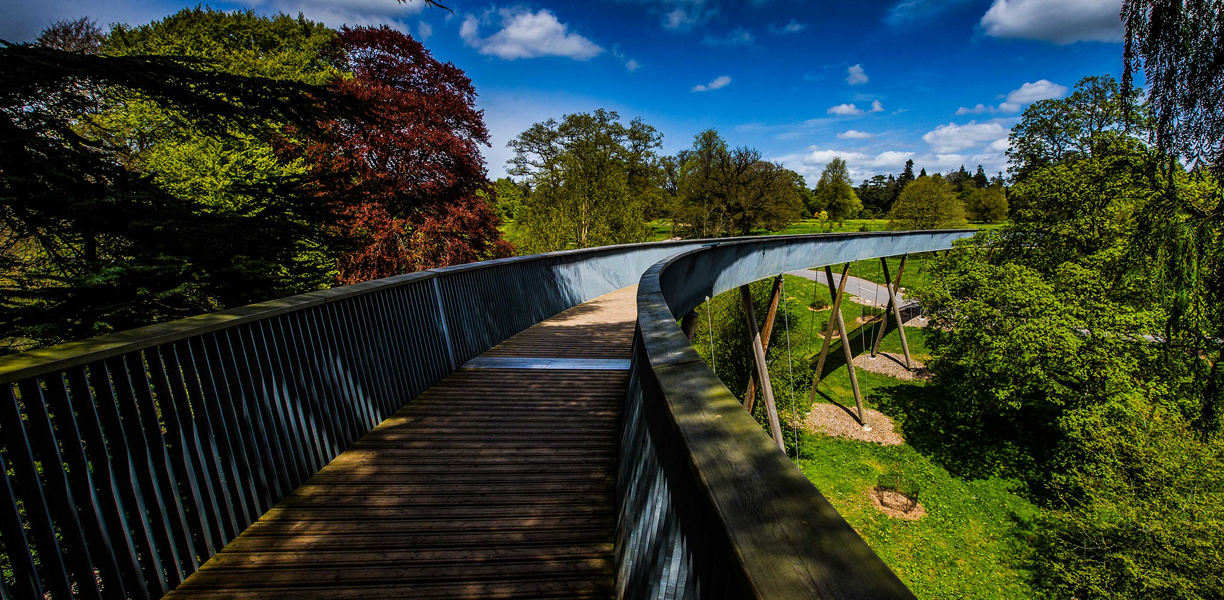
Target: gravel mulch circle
896 504
836 421
892 365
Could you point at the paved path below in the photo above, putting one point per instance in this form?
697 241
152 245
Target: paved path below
498 482
867 291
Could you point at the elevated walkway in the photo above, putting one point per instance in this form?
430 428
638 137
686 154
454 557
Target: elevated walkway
497 482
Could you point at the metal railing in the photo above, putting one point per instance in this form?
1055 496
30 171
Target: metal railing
128 460
709 508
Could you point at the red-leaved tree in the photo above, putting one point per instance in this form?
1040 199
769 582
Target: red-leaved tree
414 159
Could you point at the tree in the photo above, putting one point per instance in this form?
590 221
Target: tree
835 191
1083 125
907 175
94 246
77 35
1179 48
508 197
927 203
987 205
979 178
416 159
876 194
732 191
959 179
588 176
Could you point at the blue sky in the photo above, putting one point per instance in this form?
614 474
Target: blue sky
875 82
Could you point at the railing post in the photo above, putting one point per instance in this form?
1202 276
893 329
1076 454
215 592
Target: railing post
762 368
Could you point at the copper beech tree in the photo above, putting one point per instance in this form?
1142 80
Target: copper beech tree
413 158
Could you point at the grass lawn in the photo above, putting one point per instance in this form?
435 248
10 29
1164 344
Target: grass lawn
971 543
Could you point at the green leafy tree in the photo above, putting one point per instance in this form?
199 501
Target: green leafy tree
1085 124
979 178
95 246
927 203
732 191
588 175
1136 508
1177 46
876 194
508 197
987 205
835 191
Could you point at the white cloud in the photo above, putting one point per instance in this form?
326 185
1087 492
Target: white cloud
738 37
632 65
792 27
1042 89
424 30
855 75
844 110
526 34
876 106
1000 145
860 164
719 82
854 134
1058 21
949 138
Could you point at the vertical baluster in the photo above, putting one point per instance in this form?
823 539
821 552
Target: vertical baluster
144 518
210 382
154 472
342 337
274 387
357 354
12 533
404 364
295 396
327 383
103 485
194 407
417 356
264 470
252 379
310 406
182 457
370 340
51 565
63 503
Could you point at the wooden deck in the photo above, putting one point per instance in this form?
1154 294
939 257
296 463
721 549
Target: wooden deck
498 482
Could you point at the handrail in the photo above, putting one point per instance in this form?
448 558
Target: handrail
71 354
709 508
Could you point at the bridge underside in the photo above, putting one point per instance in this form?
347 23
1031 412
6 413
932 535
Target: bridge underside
498 482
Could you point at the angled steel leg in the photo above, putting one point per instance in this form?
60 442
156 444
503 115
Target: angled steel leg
750 395
894 307
762 368
828 334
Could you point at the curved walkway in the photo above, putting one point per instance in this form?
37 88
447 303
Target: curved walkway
497 482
